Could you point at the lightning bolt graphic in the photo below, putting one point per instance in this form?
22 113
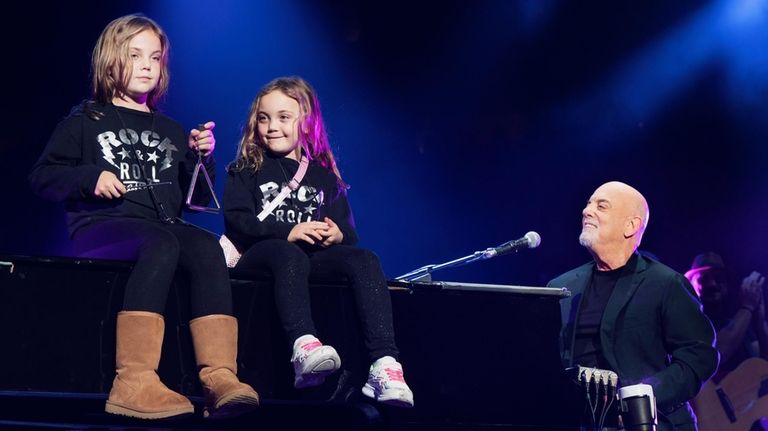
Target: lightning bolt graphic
106 149
167 147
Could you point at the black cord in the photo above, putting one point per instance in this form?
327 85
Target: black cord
604 400
159 208
611 398
588 380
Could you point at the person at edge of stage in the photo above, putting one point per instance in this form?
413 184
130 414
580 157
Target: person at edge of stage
739 315
632 315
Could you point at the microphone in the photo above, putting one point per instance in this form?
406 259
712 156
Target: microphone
530 240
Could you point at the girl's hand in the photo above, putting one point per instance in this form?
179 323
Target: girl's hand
332 235
108 186
201 140
307 231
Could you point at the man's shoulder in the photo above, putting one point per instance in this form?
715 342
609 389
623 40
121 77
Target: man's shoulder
665 278
575 273
655 268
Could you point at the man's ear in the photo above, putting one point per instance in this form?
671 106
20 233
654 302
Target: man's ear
632 226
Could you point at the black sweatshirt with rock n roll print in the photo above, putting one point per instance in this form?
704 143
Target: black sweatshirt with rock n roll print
247 192
140 148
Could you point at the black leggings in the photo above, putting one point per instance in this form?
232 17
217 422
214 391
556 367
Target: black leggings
158 250
291 265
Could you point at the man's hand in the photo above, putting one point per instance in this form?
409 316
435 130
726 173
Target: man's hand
751 293
753 283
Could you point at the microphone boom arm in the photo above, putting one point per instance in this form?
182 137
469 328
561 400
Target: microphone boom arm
530 240
425 272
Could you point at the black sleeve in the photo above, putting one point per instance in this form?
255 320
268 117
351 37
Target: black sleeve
341 213
241 223
60 174
689 338
202 194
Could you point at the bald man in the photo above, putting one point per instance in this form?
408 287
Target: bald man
633 315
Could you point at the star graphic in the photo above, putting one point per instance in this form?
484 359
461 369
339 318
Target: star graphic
124 154
282 204
309 209
152 157
264 203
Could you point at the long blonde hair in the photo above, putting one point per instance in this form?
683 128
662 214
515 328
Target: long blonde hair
111 56
313 138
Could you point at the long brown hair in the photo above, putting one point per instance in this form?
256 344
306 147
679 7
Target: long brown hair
313 138
111 57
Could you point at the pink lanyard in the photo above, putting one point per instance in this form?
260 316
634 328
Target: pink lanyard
291 186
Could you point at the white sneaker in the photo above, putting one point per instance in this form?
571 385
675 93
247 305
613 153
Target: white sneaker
386 383
312 361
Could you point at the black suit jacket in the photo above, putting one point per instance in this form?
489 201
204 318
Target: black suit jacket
653 331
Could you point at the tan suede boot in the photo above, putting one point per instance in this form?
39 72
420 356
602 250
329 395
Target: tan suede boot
137 390
215 340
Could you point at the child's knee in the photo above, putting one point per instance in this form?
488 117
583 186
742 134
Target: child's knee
288 251
366 258
162 247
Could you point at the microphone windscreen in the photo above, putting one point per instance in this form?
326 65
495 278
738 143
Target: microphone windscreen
534 239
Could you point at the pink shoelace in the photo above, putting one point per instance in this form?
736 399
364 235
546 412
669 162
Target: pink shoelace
312 345
395 374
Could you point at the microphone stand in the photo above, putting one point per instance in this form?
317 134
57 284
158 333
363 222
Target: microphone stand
424 274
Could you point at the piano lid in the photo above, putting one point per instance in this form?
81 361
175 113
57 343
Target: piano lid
560 292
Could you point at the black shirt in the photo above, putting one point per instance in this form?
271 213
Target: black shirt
247 192
121 141
587 349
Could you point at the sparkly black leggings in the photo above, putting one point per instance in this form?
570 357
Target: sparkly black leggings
158 250
291 266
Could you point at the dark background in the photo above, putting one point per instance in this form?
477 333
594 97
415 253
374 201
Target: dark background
459 125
